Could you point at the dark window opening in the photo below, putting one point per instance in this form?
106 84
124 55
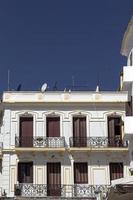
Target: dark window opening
26 131
80 173
54 179
79 132
25 172
116 171
53 126
115 130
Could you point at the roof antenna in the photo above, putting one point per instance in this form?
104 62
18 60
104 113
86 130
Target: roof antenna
97 87
8 80
19 87
55 86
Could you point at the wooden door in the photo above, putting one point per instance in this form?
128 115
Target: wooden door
54 179
79 132
53 126
25 172
26 131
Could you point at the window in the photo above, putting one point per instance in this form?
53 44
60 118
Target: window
116 170
25 172
79 132
53 126
53 179
80 173
26 131
115 130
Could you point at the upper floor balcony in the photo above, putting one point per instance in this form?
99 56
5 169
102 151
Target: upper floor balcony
40 143
100 143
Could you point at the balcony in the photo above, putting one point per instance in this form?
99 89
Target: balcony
76 191
39 143
100 143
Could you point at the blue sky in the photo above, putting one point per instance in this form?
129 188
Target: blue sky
55 40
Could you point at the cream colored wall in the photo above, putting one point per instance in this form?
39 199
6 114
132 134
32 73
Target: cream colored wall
96 116
98 167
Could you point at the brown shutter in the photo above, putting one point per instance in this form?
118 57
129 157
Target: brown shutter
25 172
116 170
80 173
115 130
53 179
111 129
53 126
79 131
26 131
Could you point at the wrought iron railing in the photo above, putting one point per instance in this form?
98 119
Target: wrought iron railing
66 191
97 142
44 142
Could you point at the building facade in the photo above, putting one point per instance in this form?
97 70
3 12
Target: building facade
66 144
63 143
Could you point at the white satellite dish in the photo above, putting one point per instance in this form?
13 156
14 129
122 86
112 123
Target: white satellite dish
44 87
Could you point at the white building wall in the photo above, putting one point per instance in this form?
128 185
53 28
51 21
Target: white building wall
98 163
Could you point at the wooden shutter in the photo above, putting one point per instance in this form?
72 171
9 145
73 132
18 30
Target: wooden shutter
79 131
53 126
116 170
25 172
114 131
111 125
53 179
80 173
26 131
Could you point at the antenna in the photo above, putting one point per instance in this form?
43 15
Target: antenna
19 87
55 86
44 87
8 80
97 88
98 79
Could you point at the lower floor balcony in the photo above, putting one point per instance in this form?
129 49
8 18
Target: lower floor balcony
76 191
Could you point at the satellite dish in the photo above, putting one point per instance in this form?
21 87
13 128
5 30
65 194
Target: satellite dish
44 87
